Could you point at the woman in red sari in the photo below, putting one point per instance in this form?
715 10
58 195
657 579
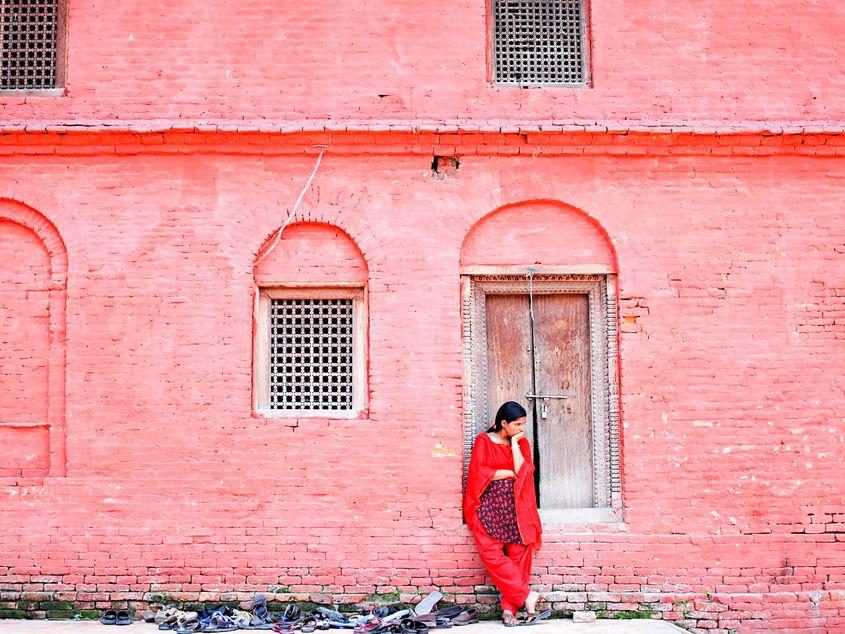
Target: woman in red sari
500 507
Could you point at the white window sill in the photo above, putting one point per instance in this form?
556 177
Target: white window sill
310 413
581 517
32 92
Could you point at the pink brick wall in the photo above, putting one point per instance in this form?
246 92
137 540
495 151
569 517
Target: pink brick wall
732 303
729 250
415 59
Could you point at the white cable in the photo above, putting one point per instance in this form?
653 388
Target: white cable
296 204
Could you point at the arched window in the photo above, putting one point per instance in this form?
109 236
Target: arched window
32 337
311 325
540 328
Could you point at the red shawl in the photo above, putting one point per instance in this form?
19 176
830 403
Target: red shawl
487 458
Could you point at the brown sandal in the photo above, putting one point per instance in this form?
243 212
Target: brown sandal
509 618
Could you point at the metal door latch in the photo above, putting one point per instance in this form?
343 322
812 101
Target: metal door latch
544 401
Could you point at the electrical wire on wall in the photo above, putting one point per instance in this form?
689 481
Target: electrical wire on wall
287 221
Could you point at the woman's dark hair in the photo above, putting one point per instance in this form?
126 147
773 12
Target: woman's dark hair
510 411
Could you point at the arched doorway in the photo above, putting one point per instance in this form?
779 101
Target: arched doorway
540 313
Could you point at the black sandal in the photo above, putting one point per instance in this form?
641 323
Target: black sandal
533 619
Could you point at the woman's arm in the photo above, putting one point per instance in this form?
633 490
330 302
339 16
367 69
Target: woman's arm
518 458
503 474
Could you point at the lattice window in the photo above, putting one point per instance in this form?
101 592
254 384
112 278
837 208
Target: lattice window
310 351
29 55
311 354
539 42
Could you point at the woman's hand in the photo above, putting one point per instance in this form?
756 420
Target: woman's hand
503 474
518 458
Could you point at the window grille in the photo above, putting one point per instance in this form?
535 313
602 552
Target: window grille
30 42
538 41
311 344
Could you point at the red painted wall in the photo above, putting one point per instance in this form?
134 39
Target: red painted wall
136 464
731 290
652 61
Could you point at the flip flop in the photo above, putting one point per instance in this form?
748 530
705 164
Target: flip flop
259 609
427 604
533 619
396 616
109 617
328 614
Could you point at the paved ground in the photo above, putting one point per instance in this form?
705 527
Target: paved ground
564 626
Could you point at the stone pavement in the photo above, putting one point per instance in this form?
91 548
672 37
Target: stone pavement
562 626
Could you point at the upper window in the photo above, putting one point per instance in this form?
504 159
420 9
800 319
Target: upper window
539 42
29 58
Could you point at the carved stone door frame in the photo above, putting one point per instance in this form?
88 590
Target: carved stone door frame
601 291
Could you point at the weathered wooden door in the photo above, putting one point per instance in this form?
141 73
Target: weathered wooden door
547 359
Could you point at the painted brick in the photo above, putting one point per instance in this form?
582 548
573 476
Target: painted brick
708 156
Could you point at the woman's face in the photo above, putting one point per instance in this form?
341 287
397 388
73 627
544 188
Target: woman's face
514 427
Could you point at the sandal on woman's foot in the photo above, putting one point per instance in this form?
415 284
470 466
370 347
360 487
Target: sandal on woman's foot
509 619
533 619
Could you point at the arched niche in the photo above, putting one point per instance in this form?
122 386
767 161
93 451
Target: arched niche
311 253
33 295
546 233
539 311
310 324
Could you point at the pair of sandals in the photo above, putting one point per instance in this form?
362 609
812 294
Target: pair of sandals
511 620
116 617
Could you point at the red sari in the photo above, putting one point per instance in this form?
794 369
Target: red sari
509 564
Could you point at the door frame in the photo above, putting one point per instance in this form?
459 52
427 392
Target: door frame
599 283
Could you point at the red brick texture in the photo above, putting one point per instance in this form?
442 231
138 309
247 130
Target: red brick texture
420 59
732 314
705 164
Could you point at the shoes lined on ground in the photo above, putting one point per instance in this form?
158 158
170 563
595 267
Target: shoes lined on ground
384 619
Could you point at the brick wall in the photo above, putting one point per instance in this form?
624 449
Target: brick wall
420 59
732 302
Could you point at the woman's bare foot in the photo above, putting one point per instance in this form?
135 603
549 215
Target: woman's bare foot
531 602
509 618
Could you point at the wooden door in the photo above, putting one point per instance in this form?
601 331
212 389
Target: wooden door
552 358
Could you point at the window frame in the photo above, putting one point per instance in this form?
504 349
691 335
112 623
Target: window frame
586 65
59 85
261 345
